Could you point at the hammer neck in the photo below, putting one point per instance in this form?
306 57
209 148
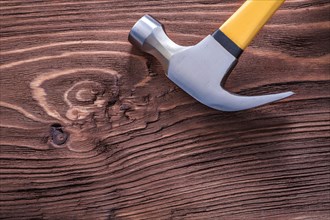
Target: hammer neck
162 47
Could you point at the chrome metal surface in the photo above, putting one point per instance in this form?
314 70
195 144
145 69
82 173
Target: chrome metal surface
149 35
199 70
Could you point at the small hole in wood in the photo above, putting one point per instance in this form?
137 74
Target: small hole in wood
57 134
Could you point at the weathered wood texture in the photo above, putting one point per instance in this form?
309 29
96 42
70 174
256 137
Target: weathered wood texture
139 147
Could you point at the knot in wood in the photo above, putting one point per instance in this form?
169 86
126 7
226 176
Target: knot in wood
86 93
89 99
58 135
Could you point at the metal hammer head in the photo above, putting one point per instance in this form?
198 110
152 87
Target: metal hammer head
199 70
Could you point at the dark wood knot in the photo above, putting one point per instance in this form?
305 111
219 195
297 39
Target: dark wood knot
58 135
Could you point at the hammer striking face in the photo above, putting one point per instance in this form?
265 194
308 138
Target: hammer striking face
201 70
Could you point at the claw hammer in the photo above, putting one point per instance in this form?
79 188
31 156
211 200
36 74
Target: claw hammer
201 70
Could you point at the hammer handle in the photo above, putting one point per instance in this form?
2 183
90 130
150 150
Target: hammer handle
246 22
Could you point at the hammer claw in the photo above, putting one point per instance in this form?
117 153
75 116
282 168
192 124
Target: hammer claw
231 102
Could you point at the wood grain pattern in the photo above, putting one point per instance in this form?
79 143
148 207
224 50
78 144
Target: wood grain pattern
91 128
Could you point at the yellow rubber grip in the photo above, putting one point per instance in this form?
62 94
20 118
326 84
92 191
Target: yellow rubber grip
244 25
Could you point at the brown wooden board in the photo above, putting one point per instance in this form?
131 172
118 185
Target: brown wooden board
91 128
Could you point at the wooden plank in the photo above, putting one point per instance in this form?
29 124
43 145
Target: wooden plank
91 128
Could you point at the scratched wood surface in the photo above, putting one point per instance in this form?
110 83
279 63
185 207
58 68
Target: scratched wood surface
91 128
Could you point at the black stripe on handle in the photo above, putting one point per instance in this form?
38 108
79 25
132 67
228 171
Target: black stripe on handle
228 44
